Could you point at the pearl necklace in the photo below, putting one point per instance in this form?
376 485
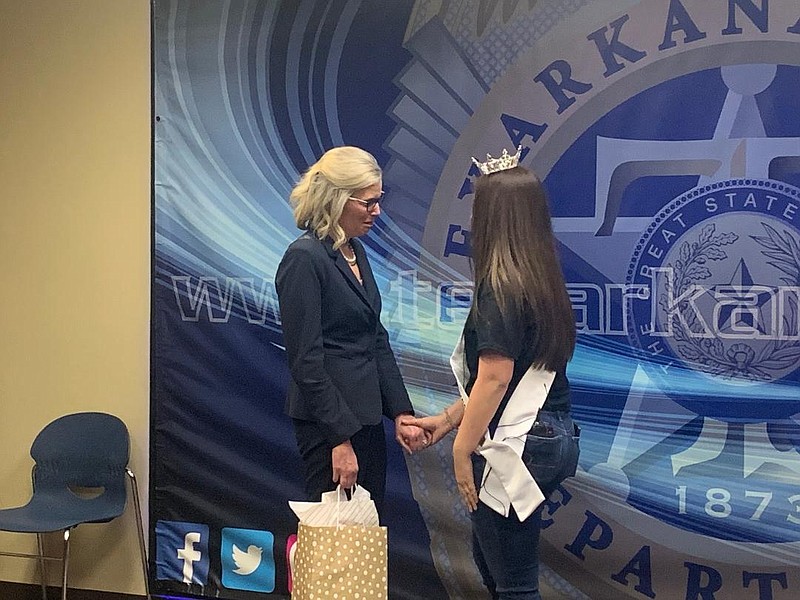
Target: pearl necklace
350 261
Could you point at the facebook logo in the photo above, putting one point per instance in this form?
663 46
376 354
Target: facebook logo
247 560
182 552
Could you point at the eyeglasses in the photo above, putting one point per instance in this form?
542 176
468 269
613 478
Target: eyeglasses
368 203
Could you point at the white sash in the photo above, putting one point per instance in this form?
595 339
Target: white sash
507 481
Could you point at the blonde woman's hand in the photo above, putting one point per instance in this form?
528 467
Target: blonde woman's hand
345 465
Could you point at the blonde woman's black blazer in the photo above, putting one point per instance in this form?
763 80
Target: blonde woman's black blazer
344 374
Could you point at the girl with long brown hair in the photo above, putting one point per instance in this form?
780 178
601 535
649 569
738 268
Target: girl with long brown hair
516 441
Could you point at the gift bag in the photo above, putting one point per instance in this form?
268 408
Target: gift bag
341 552
349 561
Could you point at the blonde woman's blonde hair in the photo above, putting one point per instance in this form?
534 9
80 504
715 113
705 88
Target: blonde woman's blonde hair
320 195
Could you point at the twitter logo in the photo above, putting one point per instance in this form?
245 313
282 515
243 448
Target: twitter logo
247 560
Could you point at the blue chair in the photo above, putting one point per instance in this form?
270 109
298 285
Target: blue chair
79 476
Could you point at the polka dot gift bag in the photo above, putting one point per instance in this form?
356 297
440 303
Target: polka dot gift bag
341 551
341 563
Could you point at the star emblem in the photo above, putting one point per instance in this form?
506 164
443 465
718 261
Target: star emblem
743 310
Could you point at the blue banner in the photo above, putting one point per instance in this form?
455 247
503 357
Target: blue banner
666 133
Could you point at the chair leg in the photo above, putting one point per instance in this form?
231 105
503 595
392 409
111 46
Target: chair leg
65 563
42 570
140 530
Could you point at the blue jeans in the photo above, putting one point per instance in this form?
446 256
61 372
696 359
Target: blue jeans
506 551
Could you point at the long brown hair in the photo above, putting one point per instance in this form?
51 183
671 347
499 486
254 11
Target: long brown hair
514 253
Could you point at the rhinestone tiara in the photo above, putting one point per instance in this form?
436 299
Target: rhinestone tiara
493 165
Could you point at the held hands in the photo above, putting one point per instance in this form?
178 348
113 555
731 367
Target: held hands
435 428
409 435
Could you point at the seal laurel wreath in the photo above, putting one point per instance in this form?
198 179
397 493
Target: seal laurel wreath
688 269
784 250
740 360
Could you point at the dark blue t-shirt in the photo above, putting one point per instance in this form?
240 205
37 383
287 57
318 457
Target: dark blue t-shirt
512 336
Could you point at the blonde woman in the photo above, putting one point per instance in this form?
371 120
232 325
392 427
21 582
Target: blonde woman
344 376
516 440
